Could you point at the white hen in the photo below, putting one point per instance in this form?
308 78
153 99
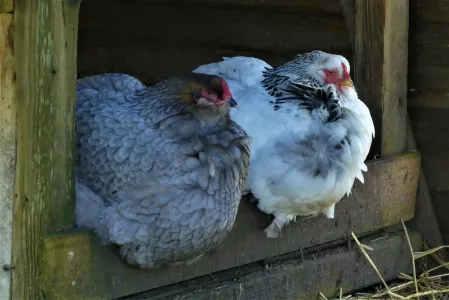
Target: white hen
311 134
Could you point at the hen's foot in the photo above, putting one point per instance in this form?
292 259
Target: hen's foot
274 229
330 212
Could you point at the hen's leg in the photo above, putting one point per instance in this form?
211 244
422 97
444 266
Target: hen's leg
274 229
329 212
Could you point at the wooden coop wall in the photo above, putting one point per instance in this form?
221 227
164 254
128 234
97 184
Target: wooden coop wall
428 97
153 39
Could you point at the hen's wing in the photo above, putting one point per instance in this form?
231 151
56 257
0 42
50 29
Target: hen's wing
117 146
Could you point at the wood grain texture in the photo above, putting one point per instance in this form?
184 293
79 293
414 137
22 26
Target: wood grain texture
388 194
441 202
151 63
430 10
435 165
446 238
381 55
163 62
324 7
185 26
348 8
45 58
6 6
7 150
428 43
428 100
429 97
428 79
311 6
114 37
430 126
425 220
300 277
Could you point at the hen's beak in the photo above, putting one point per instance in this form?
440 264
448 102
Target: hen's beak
347 82
232 102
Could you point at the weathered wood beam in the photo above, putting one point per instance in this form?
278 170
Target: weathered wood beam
98 272
7 150
45 42
381 59
264 36
6 6
425 220
348 8
301 277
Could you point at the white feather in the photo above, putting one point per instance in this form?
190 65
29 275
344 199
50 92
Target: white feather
278 175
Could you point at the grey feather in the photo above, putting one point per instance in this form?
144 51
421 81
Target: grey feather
159 179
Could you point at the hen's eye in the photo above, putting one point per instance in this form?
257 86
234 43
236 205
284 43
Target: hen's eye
330 72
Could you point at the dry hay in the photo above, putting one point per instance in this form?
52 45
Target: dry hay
422 286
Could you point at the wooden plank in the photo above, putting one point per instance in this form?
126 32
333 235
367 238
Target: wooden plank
428 79
324 7
446 238
426 221
435 165
45 45
348 8
430 10
231 28
6 6
7 150
300 277
427 99
428 43
388 194
441 203
152 63
311 6
430 126
163 61
381 56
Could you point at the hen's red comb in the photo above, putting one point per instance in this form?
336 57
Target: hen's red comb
226 92
345 71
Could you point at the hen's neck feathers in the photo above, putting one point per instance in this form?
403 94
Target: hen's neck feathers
165 99
295 71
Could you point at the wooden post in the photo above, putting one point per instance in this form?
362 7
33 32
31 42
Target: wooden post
7 149
45 42
6 6
381 58
425 220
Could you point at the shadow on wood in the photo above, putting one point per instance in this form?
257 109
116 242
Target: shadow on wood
301 277
77 267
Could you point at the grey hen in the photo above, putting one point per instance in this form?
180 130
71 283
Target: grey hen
159 169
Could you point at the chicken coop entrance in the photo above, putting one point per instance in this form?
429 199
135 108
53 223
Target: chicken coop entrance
151 40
